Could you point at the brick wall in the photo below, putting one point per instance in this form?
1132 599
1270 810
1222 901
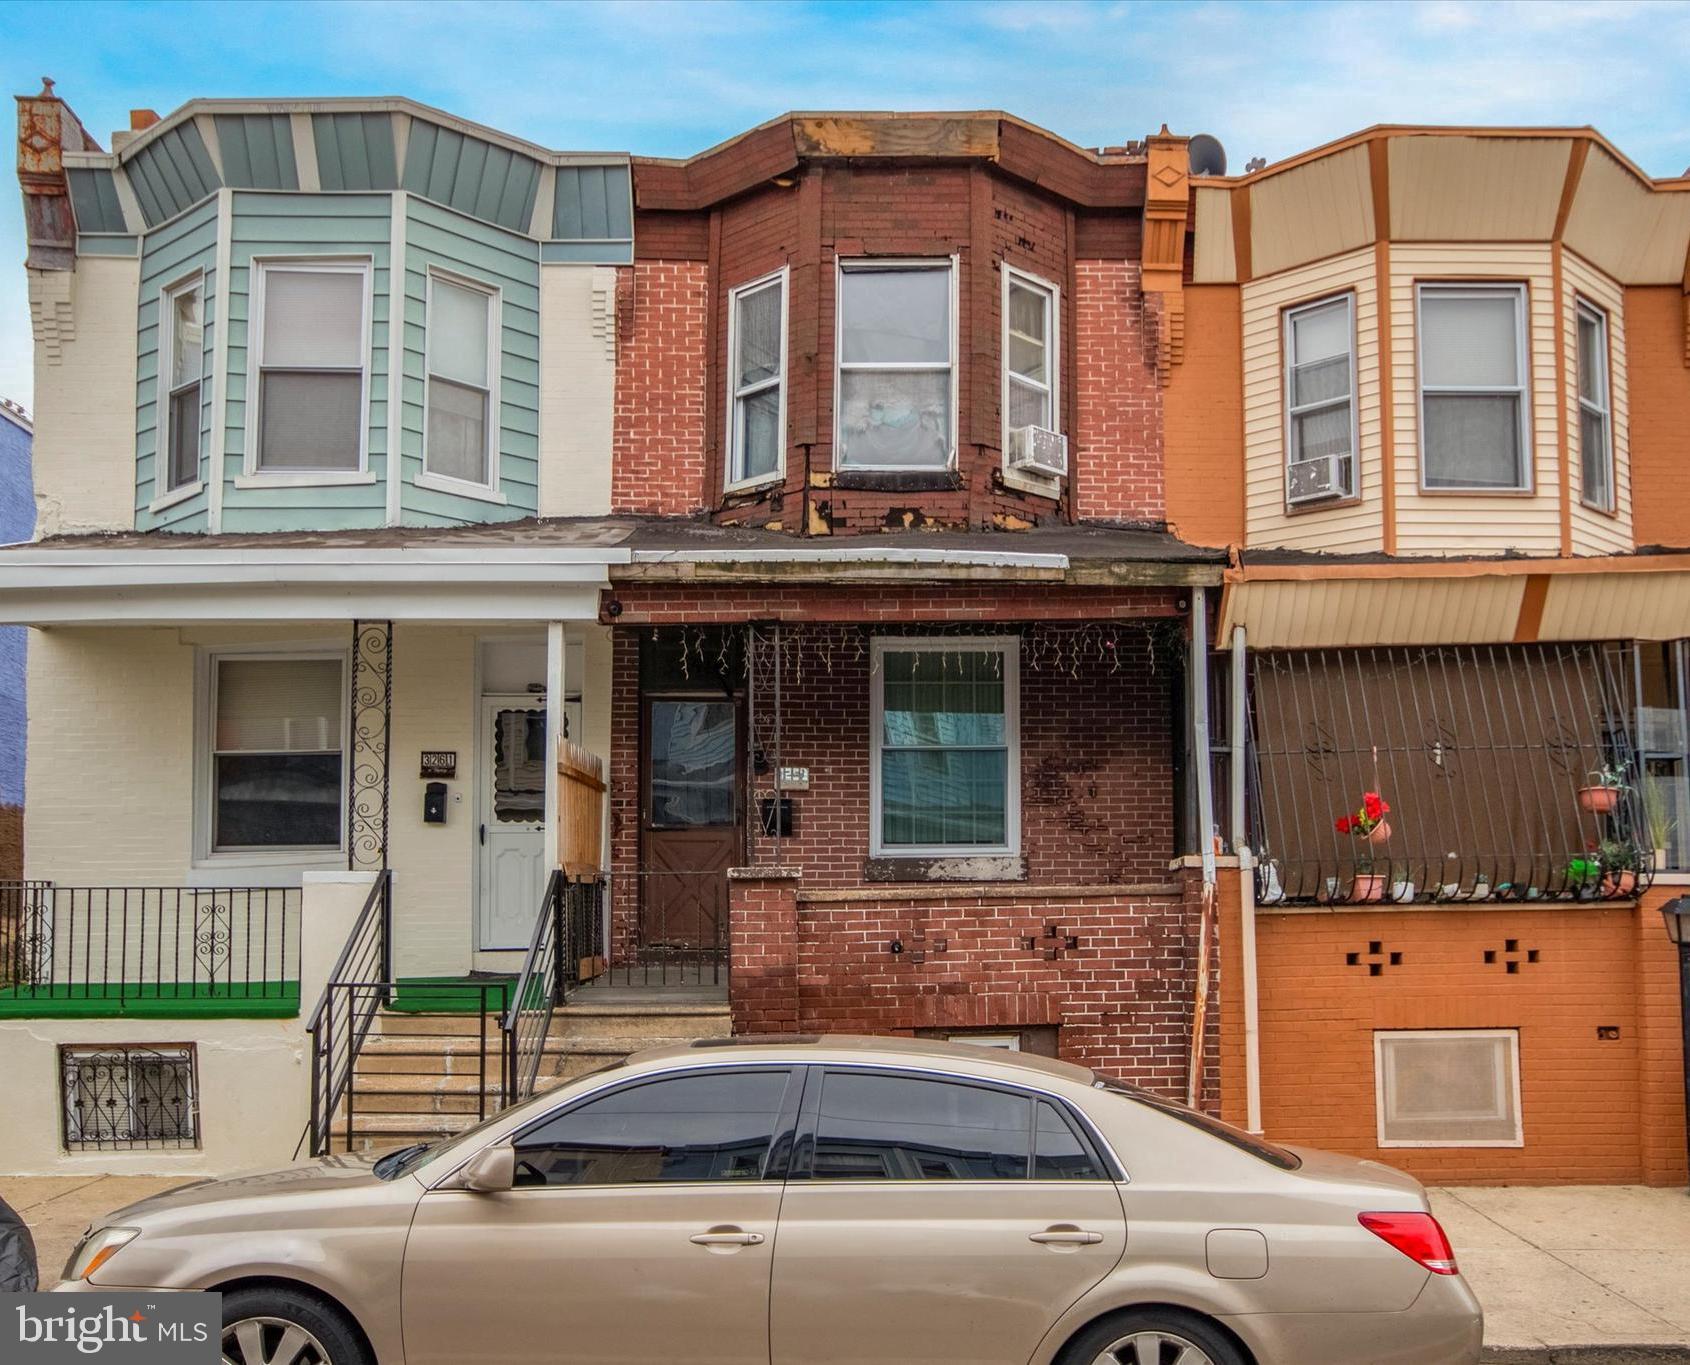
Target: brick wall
657 443
1118 413
874 602
1204 421
1595 1110
1659 414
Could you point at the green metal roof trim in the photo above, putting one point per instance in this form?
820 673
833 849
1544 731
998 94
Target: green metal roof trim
171 173
475 177
257 151
593 210
93 194
355 151
107 245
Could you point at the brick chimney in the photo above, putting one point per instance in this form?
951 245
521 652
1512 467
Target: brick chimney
46 130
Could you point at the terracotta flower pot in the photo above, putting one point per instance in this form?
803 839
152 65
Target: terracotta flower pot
1599 800
1620 883
1379 833
1368 886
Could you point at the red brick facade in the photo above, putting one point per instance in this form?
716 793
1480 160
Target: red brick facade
1117 450
657 444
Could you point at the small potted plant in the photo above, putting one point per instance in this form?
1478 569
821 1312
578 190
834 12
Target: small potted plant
1583 874
1620 863
1601 793
1657 817
1368 825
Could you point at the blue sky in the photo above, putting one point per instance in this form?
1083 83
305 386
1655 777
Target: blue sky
1268 79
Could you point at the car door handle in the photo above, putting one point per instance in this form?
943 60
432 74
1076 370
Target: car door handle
726 1237
1066 1235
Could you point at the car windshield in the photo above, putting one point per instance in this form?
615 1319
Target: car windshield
1257 1147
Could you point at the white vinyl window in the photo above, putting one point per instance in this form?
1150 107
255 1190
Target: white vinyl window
277 742
181 367
897 365
1596 427
1448 1088
460 441
312 368
1030 357
757 381
1474 415
1320 408
944 758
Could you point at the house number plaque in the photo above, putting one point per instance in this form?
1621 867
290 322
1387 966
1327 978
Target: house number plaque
439 763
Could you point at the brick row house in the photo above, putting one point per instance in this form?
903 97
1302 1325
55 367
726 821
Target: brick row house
885 573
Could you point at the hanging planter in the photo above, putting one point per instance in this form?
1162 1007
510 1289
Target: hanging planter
1601 793
1379 833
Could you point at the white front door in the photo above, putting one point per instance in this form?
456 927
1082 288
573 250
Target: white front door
512 755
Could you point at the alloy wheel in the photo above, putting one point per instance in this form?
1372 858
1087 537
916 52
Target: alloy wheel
272 1341
1153 1348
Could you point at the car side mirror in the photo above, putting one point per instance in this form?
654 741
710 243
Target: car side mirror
491 1171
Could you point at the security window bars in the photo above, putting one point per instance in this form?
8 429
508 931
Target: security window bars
462 379
1596 442
1320 408
756 380
312 342
1474 416
276 753
1448 1088
183 365
944 758
897 365
1029 352
124 1097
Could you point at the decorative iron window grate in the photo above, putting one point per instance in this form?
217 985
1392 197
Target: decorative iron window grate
126 1097
1485 754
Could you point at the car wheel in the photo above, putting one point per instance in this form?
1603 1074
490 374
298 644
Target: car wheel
1152 1337
285 1327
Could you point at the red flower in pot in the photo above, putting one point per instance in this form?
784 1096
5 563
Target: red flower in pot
1368 823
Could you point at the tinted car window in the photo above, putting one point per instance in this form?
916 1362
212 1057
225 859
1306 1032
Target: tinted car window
716 1126
1058 1153
877 1127
1237 1137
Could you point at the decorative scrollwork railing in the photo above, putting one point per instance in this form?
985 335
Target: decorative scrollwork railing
370 731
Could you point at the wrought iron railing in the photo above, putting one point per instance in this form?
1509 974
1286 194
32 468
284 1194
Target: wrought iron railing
1510 773
122 948
345 1014
568 931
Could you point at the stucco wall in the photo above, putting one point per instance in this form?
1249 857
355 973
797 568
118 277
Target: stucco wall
577 388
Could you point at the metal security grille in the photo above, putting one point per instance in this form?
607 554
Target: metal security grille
1482 753
124 1098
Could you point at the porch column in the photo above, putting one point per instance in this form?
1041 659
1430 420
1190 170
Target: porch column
555 680
369 737
763 938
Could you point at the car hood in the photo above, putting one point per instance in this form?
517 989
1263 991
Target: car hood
303 1178
1395 1189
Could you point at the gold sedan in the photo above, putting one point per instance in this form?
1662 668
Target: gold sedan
815 1201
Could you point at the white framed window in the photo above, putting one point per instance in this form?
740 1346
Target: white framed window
308 382
461 428
1321 431
1475 414
275 748
1448 1088
756 436
1596 426
1031 353
896 374
181 370
944 755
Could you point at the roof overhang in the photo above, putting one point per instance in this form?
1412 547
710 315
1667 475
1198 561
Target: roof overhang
137 587
1519 601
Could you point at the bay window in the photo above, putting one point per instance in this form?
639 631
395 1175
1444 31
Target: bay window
897 365
756 381
1474 417
460 438
944 758
181 365
1596 430
311 368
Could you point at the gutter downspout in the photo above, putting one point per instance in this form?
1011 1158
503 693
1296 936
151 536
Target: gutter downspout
1201 760
1246 886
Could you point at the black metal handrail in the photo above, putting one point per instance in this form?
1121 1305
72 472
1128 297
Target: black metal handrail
343 1017
568 928
117 945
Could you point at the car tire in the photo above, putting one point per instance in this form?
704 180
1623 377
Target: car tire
1112 1339
279 1326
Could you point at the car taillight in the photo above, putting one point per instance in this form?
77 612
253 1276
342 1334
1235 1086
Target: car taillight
1416 1235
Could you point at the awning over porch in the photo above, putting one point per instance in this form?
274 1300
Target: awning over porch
1297 603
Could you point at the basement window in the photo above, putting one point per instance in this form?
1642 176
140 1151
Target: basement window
1448 1088
128 1097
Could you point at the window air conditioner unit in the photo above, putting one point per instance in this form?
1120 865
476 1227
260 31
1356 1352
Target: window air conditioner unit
1325 476
1038 450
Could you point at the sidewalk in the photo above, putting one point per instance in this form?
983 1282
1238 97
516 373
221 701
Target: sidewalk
1567 1275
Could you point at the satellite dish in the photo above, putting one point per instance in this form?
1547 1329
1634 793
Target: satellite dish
1208 157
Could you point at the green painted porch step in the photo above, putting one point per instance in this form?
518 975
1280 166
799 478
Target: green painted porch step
150 1000
455 994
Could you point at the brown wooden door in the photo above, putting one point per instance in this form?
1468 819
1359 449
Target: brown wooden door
691 804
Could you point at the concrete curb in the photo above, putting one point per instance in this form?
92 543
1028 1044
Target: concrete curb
1585 1355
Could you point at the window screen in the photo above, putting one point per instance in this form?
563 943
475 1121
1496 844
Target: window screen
311 369
895 367
1448 1088
276 753
459 383
882 1127
1473 387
